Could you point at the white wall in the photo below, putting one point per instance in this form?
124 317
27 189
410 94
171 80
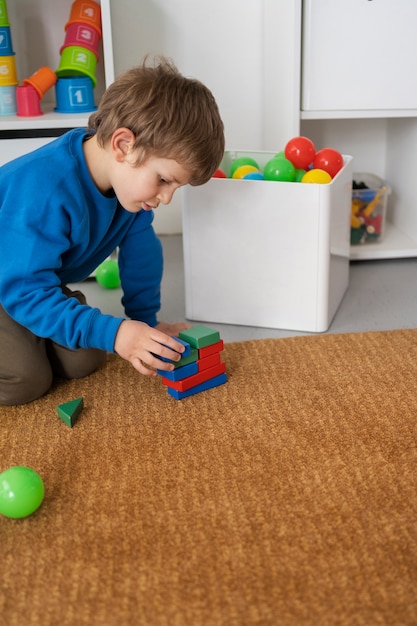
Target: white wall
245 51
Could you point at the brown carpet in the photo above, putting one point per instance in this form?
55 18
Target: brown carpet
286 497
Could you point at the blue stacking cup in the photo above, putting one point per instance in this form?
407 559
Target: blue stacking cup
74 94
8 100
6 47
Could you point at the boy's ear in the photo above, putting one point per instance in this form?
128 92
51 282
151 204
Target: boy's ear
122 142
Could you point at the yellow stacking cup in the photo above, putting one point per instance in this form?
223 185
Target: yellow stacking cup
8 71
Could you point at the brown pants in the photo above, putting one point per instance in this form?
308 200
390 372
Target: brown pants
29 363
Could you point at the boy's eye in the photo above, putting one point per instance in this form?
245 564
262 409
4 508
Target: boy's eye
163 180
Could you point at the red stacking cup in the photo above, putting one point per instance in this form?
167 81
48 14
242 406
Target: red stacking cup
82 34
27 101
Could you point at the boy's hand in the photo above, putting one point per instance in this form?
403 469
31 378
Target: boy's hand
138 343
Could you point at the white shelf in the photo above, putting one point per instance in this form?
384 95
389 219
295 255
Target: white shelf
49 119
394 245
28 17
359 114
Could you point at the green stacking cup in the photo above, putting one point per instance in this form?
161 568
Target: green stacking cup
77 61
4 18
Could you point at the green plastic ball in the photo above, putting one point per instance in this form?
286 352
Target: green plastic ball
107 274
279 169
299 173
21 492
242 161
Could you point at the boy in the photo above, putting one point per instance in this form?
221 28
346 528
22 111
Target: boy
65 207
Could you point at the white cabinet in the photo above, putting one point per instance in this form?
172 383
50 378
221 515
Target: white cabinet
358 94
359 55
38 32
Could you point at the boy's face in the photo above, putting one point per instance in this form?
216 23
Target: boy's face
149 184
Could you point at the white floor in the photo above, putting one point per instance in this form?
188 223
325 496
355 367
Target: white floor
381 296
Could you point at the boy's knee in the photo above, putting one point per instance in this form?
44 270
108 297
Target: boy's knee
85 363
26 385
75 363
25 372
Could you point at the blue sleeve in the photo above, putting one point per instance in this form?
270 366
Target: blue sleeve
34 237
141 267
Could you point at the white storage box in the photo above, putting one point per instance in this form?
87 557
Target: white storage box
266 253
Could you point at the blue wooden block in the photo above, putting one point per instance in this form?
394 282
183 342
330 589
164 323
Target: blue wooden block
186 352
208 384
179 373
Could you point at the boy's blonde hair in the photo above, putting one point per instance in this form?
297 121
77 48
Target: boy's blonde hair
171 116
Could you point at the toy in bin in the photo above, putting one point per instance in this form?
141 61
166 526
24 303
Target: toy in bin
369 204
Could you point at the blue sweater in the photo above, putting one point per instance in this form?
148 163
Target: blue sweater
56 228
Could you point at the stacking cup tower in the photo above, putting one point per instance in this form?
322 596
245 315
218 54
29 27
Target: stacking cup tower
78 61
8 77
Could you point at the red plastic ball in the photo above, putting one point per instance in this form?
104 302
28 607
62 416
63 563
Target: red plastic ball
329 160
300 151
219 173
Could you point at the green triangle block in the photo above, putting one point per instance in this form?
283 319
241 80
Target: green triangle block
70 411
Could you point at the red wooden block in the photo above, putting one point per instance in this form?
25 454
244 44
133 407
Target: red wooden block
196 379
208 350
208 361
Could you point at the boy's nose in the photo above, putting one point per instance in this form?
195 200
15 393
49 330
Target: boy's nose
165 196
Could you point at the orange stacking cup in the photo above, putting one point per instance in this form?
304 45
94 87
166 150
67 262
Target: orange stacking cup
86 11
43 79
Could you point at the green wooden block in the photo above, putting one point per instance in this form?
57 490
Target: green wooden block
193 356
200 336
70 411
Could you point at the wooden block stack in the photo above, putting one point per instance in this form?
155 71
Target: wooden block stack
200 367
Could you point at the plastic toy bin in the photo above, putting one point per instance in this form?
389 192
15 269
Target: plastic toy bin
369 207
264 253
